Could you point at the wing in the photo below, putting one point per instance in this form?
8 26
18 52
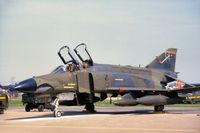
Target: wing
137 89
187 89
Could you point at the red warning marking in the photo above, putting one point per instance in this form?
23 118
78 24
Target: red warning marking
121 90
170 52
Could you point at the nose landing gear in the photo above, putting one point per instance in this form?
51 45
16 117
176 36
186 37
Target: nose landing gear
57 113
55 104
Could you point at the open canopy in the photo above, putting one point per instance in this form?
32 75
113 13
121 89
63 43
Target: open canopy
83 54
80 57
67 56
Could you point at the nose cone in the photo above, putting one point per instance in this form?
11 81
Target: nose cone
27 86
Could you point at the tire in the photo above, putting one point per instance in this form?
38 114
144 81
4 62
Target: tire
27 108
158 108
41 108
1 111
90 107
57 113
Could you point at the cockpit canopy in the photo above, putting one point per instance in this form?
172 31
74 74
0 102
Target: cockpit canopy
80 57
83 54
67 56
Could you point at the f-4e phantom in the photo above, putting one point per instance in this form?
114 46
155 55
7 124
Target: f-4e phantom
155 85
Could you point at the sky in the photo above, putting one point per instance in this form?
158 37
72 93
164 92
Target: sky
125 32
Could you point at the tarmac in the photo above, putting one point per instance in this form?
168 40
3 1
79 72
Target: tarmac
105 120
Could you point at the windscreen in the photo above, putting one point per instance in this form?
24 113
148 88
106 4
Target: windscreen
59 69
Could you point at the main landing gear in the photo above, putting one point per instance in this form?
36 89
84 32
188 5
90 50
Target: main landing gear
90 107
158 108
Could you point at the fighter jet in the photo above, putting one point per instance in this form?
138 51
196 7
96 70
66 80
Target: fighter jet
155 85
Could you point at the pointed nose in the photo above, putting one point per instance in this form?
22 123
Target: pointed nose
27 86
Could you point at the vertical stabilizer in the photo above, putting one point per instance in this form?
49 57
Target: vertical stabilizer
165 61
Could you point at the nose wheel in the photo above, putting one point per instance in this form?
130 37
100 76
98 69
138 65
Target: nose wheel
55 103
57 113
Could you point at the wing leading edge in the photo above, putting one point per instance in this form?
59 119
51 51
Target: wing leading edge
136 89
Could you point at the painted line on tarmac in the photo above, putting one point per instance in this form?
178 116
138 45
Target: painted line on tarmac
102 128
57 118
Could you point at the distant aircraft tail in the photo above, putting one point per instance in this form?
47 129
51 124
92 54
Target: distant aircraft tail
165 61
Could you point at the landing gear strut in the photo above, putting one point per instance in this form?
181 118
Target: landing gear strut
90 107
158 108
55 104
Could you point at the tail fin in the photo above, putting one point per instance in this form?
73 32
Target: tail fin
165 61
